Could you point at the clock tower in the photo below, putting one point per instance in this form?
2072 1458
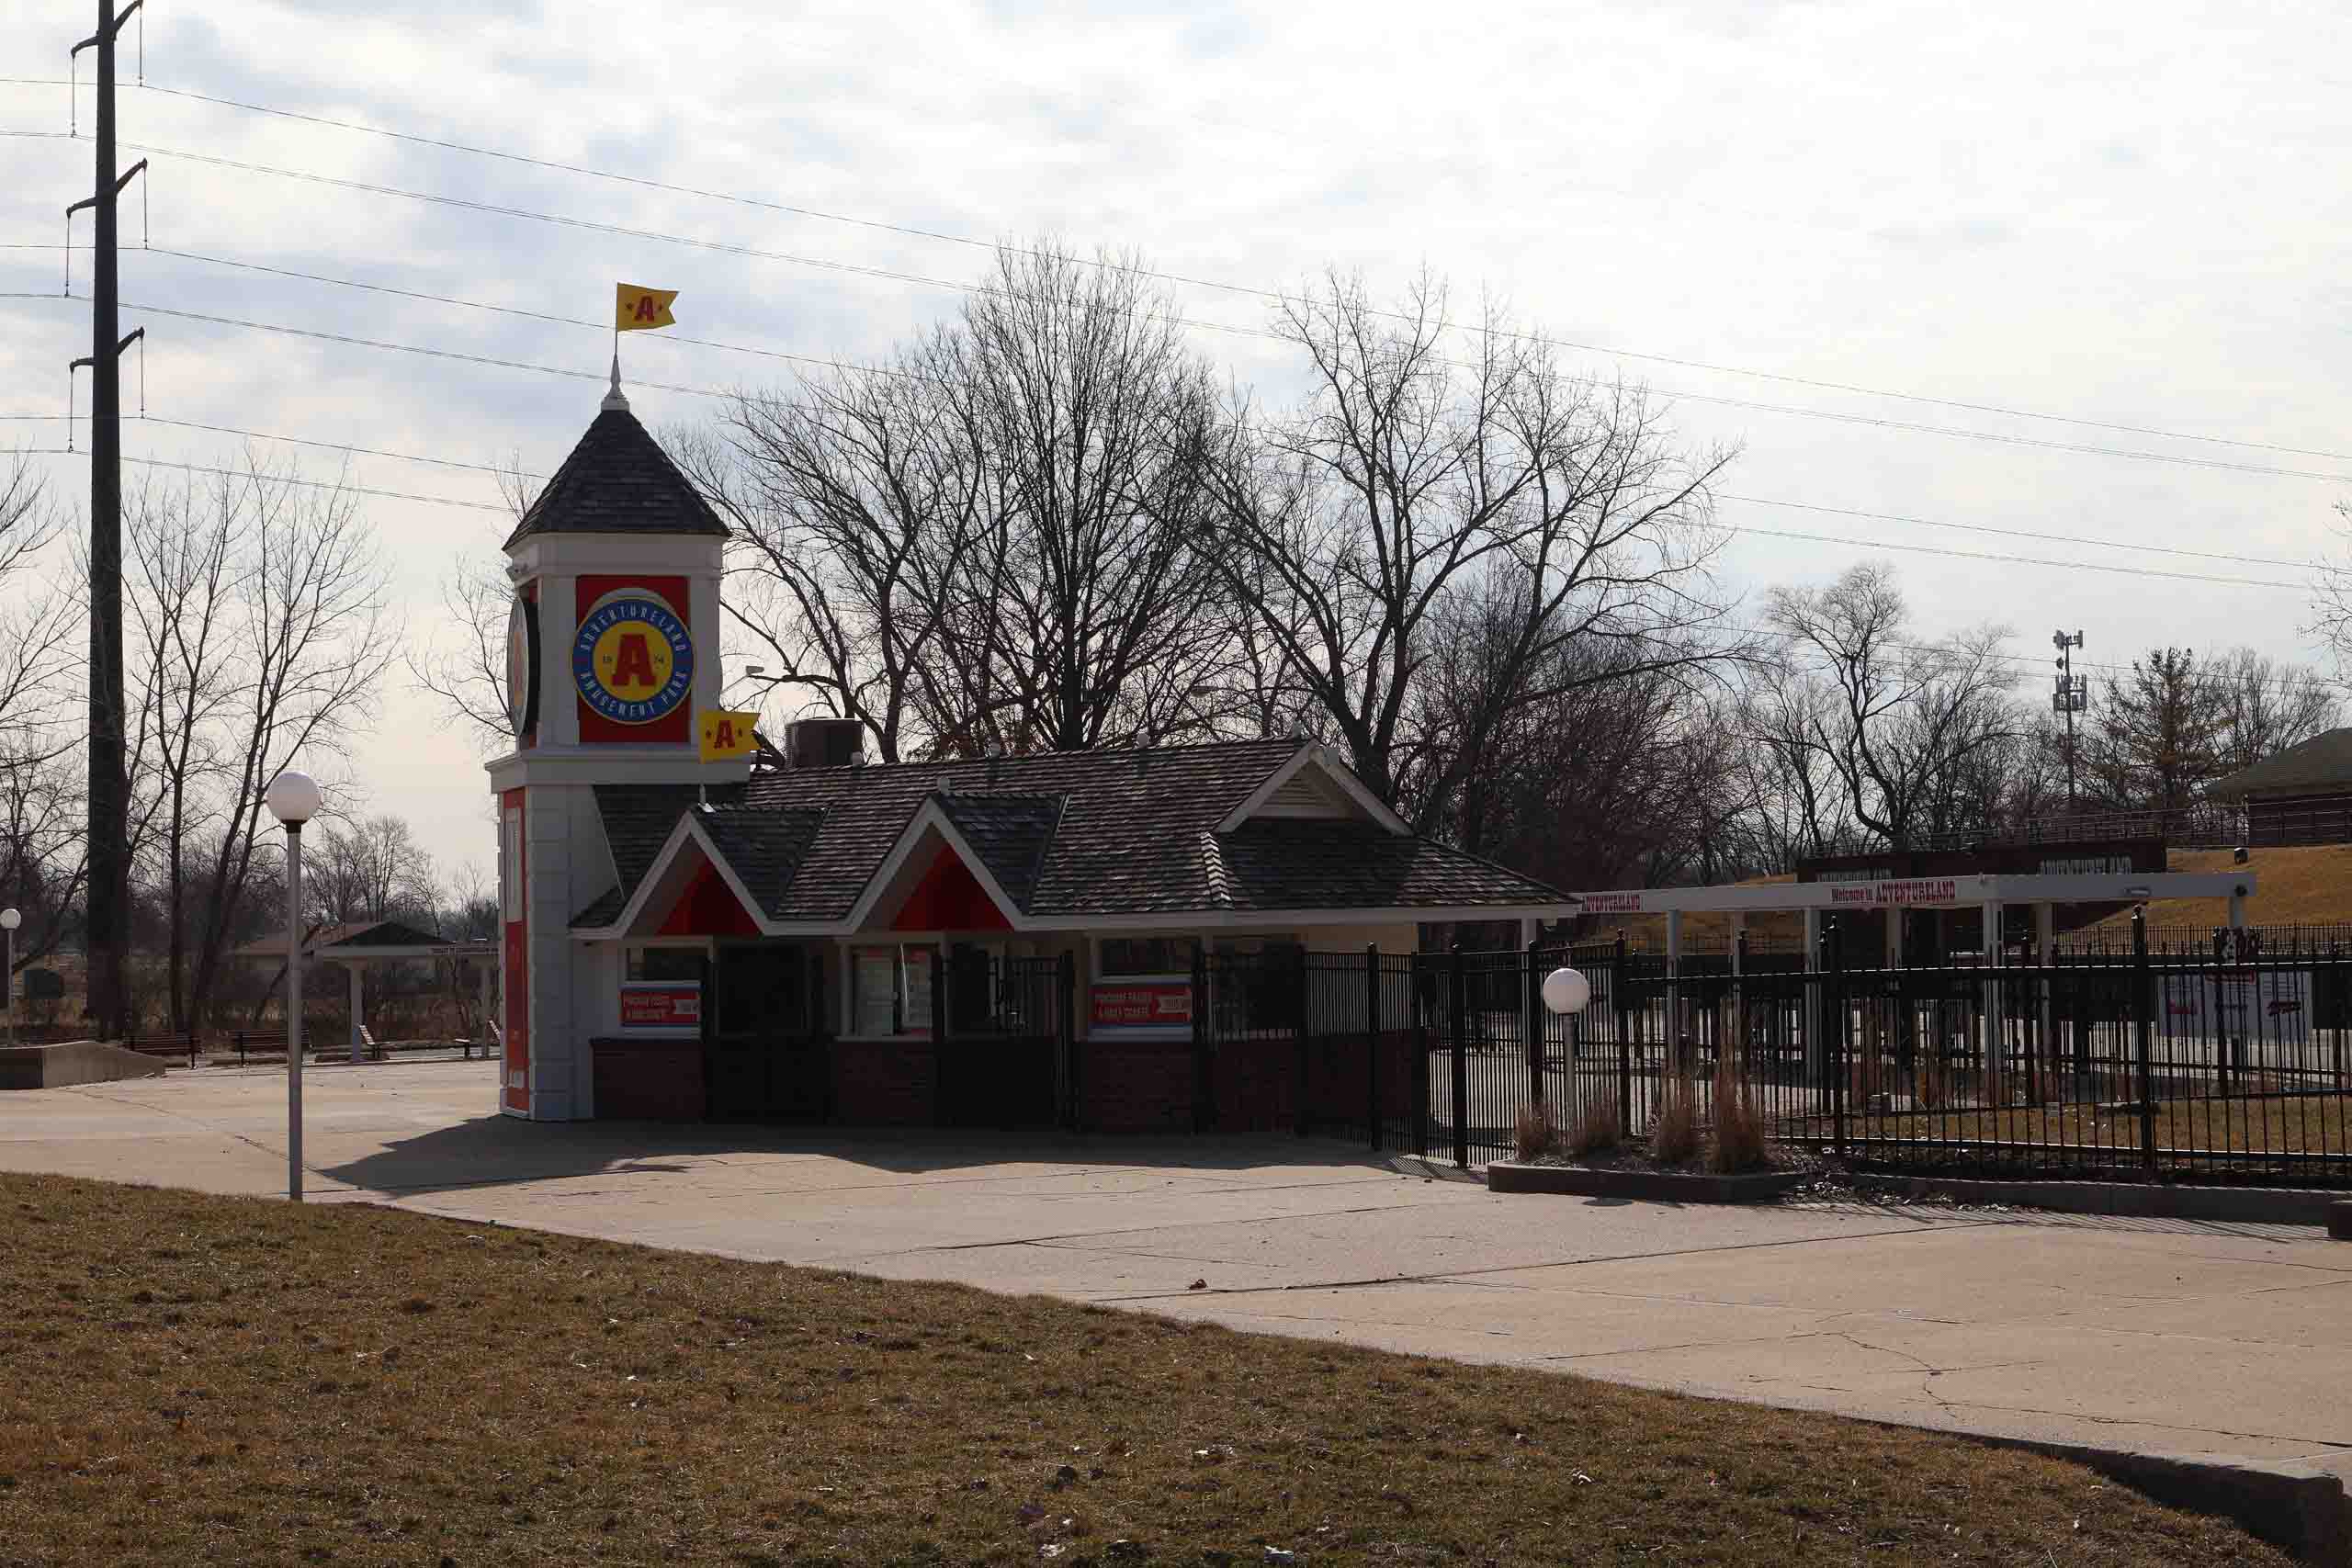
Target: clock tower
611 648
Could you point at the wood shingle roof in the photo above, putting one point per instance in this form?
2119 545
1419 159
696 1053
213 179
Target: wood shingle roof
1081 836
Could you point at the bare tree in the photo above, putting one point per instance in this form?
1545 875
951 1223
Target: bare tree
2265 705
992 540
184 574
1793 798
858 501
1412 490
43 837
1892 720
309 638
2331 620
465 667
372 869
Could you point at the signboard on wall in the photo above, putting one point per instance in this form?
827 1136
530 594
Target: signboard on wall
1156 1004
661 1005
2272 1005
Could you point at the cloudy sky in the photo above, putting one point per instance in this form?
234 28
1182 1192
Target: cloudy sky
1801 221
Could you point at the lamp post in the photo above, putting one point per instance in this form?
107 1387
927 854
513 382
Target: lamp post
293 799
9 921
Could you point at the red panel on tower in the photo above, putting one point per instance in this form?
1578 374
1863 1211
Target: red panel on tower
632 659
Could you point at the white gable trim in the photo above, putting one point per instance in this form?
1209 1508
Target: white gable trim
1337 772
689 829
931 816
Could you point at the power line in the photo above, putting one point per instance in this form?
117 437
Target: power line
2017 561
2013 533
890 274
1247 290
353 341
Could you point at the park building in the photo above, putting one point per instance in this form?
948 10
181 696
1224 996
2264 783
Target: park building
805 935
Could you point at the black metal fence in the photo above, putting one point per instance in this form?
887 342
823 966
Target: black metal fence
2228 1063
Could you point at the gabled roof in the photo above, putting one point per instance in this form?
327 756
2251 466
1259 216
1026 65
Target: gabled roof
352 936
1062 838
1326 865
2324 762
618 481
1010 834
765 849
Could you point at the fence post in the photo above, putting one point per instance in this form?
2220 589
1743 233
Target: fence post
1739 995
1065 1009
1532 1005
1415 969
1458 1025
1204 1084
1622 1003
2223 1055
1302 1070
2143 1000
1372 1042
1833 1012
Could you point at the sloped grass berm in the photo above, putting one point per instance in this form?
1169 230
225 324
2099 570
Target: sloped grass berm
189 1380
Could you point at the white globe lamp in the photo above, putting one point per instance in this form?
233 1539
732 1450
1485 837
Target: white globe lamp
1565 991
293 798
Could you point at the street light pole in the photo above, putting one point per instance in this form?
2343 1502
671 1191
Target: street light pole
9 921
293 799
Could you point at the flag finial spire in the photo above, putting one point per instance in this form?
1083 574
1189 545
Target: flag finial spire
614 398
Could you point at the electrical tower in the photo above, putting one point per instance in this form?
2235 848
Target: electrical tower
109 802
2071 696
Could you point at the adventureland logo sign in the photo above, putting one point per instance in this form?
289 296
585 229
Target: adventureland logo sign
1917 890
633 660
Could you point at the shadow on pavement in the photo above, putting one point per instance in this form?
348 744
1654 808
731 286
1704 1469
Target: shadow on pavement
493 1150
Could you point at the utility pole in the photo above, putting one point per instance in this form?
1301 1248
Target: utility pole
109 802
2071 696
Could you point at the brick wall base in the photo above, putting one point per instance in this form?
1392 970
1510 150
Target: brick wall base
647 1080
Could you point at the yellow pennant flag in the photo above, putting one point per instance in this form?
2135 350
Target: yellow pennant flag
726 735
636 308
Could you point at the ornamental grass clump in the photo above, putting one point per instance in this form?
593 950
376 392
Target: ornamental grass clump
1539 1135
1674 1137
1593 1127
1738 1142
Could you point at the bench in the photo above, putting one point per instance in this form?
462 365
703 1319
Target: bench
270 1041
180 1044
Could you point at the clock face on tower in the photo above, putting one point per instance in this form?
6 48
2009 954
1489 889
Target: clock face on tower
523 665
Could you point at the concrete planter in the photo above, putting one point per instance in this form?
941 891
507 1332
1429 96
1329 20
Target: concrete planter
1647 1185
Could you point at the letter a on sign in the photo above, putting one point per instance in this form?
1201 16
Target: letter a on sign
636 308
726 734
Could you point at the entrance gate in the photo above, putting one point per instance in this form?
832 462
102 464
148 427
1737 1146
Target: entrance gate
764 1060
1004 1050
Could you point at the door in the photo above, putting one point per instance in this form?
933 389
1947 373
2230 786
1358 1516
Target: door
765 1059
1001 1064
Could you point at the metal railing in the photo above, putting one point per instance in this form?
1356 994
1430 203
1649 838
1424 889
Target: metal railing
2220 1064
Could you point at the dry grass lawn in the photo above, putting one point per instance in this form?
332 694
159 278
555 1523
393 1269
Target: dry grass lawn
188 1380
2281 1125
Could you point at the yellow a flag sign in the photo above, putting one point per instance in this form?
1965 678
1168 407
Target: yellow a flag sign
636 308
726 735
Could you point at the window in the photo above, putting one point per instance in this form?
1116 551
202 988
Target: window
890 989
1129 956
664 964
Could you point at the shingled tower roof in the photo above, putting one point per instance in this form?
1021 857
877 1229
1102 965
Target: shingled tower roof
618 481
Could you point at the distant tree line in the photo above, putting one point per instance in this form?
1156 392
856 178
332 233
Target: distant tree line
256 632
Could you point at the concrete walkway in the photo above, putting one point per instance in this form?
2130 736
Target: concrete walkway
2172 1337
